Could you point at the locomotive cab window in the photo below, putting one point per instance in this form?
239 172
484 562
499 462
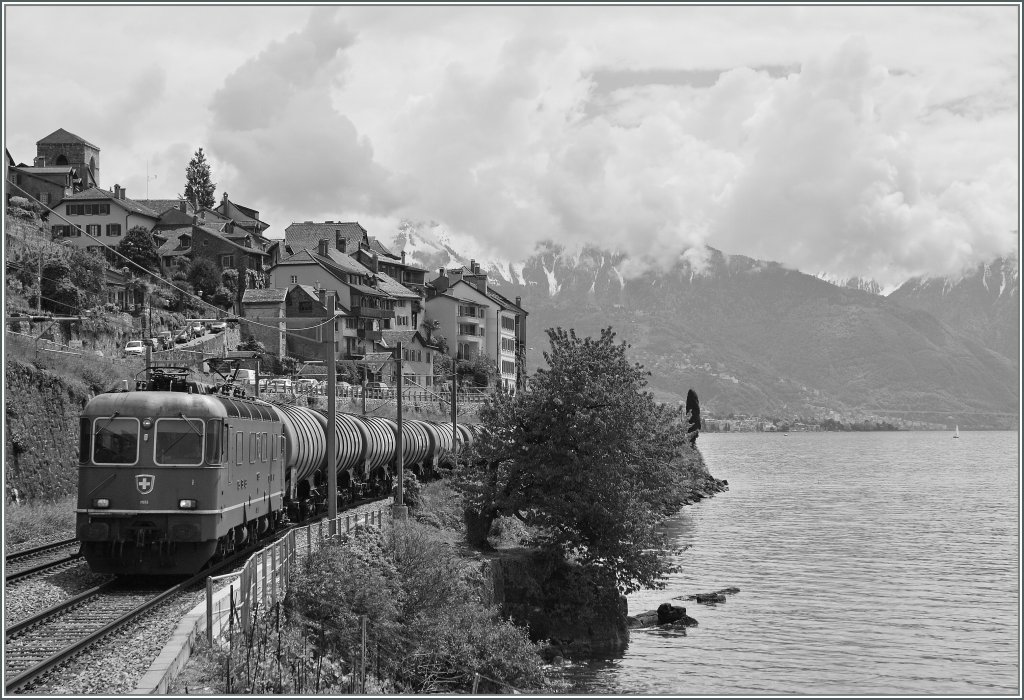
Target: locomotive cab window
84 439
115 441
214 443
179 441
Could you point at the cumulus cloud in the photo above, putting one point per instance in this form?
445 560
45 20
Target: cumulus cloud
830 182
282 141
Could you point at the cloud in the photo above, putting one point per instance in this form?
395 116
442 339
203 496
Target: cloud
831 182
278 136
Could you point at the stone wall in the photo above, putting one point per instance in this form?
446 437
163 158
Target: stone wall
41 421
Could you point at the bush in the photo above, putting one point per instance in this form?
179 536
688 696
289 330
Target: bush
410 491
423 608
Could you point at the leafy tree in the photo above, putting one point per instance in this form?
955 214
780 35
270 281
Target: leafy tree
586 458
139 247
204 276
198 187
429 326
229 278
479 369
72 282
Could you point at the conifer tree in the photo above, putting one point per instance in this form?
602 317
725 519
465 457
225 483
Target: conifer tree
198 186
693 411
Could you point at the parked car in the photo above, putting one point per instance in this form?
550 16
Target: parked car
305 385
183 335
198 329
378 390
134 347
218 326
166 339
281 384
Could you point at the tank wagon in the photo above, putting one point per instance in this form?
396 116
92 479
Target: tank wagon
175 474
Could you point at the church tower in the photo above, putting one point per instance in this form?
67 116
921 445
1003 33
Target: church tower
64 148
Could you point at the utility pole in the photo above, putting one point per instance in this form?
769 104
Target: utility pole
332 417
455 432
39 285
399 511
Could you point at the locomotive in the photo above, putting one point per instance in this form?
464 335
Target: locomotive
178 473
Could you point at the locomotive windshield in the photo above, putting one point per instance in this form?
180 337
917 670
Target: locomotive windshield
116 441
179 441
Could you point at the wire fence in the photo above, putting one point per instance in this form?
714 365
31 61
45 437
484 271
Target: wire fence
269 648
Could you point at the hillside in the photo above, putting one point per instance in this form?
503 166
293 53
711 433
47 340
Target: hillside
754 337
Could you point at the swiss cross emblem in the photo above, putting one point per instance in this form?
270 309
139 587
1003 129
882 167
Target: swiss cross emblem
144 483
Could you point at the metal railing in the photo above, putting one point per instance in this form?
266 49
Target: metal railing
266 573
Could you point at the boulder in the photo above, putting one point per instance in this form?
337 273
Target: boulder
674 615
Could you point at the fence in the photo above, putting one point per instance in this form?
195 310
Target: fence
266 574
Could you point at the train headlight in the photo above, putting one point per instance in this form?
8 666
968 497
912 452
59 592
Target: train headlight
147 423
101 503
188 504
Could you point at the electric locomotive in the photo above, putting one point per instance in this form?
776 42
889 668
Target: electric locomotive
173 477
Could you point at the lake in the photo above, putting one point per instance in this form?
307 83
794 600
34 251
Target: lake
867 563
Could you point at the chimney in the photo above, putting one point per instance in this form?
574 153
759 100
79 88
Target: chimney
375 268
340 242
403 257
181 205
519 302
328 222
472 266
225 199
322 293
322 247
39 161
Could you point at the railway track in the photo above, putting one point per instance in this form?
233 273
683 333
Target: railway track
37 560
50 639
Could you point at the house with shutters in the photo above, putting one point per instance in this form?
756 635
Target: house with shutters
417 359
476 319
95 217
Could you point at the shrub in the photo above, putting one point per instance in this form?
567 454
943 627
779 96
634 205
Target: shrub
410 490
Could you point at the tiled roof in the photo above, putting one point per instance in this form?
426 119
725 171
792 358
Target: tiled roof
162 205
376 360
369 291
48 170
64 136
310 290
264 296
307 234
503 300
395 288
391 338
379 247
346 262
94 193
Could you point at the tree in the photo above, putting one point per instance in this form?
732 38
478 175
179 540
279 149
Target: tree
587 458
139 247
204 276
479 369
198 187
429 326
693 416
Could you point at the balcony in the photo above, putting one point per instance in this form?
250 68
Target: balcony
375 336
372 312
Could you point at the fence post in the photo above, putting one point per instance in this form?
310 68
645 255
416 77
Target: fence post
362 660
263 566
348 525
209 611
273 573
476 682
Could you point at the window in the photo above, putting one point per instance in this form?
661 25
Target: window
63 231
467 329
306 306
294 279
113 229
508 345
227 261
350 323
400 303
44 198
116 441
214 441
507 323
179 441
94 229
508 367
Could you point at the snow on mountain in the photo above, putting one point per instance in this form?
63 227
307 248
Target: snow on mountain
864 284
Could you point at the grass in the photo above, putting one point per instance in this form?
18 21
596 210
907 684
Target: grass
26 522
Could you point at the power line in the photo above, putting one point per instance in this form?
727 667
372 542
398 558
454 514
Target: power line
158 278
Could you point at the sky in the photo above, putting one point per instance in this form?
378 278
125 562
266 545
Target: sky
876 141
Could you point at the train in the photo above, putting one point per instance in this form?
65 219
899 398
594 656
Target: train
175 474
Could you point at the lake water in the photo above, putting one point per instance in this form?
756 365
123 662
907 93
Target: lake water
867 563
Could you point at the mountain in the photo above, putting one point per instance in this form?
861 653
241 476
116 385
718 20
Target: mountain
984 304
864 284
754 337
